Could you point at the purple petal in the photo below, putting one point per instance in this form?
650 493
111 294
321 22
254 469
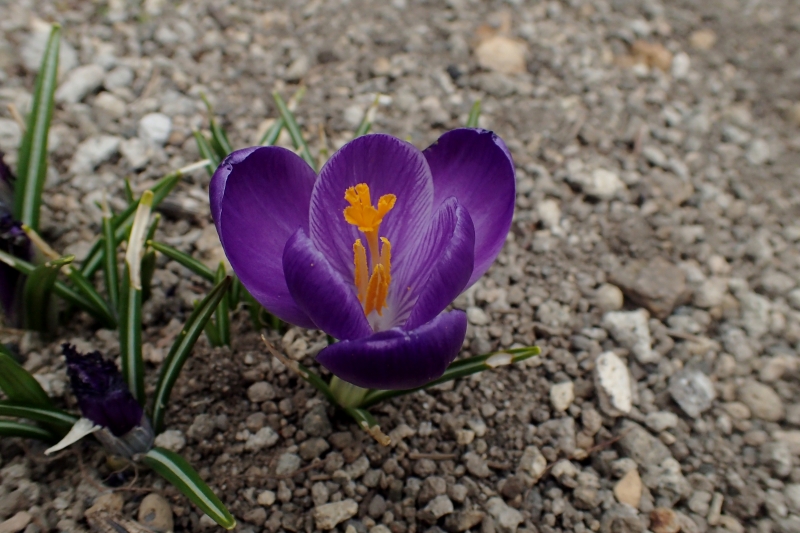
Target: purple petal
398 359
452 263
321 292
389 166
259 198
475 166
102 394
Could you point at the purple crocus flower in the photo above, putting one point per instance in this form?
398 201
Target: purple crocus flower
13 241
373 249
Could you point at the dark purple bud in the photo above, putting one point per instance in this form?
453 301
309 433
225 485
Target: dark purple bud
102 394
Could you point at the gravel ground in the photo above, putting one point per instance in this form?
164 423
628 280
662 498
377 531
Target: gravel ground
654 258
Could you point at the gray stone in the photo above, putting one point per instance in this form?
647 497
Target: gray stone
377 506
477 316
621 519
463 520
436 508
763 401
155 512
316 422
601 183
10 134
260 392
792 494
112 106
92 152
507 519
632 331
532 465
660 421
778 457
758 152
657 285
118 78
136 152
155 128
776 283
202 427
476 465
638 444
314 447
288 463
79 83
710 293
692 391
609 297
667 480
171 439
263 438
613 383
755 313
329 515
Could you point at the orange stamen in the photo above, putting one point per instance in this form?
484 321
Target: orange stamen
372 289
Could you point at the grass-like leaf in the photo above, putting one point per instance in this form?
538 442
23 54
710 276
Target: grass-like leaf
110 268
474 115
60 421
460 369
100 308
37 313
368 423
369 118
130 336
18 384
9 428
294 130
206 152
96 256
271 135
32 167
184 259
64 291
180 473
222 314
181 348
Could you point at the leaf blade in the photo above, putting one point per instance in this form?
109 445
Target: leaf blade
32 169
18 384
181 348
180 473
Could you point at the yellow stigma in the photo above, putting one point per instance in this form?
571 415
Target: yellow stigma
372 289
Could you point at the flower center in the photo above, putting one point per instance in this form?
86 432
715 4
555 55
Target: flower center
372 288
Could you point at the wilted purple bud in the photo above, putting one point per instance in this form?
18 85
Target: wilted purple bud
105 399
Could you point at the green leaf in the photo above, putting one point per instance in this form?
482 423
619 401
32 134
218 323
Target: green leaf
129 196
148 271
171 368
223 319
18 384
9 428
64 291
206 152
184 259
294 131
36 295
110 269
100 308
32 167
368 423
95 258
460 369
180 473
219 139
130 336
271 135
474 115
58 419
369 118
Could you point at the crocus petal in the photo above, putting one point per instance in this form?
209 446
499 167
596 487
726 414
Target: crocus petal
398 359
259 198
452 264
321 292
388 166
475 166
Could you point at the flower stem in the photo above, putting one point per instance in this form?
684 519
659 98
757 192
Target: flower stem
346 394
